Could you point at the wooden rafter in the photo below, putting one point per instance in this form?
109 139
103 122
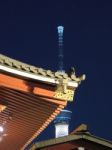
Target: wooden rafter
25 86
31 109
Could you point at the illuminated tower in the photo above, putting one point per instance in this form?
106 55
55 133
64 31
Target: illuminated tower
62 120
62 123
60 45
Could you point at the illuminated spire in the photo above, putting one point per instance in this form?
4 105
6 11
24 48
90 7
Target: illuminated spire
60 44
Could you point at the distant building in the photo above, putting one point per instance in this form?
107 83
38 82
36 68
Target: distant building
80 139
30 98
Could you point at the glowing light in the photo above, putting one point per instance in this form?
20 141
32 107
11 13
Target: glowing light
60 44
62 123
2 107
60 29
81 148
1 129
61 130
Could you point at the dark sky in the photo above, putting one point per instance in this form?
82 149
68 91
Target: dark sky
28 33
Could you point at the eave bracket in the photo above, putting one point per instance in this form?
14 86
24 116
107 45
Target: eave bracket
62 92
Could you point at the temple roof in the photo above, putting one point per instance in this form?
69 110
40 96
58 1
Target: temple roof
79 138
29 69
30 98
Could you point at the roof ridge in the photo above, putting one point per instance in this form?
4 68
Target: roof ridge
18 65
12 59
72 137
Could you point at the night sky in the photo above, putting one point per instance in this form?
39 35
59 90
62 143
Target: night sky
28 32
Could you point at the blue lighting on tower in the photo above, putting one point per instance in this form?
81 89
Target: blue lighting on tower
62 123
63 117
60 29
60 44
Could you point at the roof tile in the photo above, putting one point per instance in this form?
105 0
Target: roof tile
9 62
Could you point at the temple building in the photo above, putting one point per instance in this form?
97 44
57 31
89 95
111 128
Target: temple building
79 139
30 98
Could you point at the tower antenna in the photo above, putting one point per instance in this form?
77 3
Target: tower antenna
60 46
